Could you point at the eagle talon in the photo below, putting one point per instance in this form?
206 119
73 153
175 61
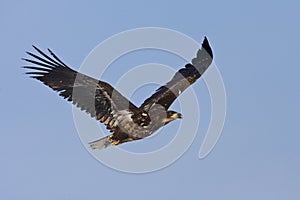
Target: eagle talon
115 142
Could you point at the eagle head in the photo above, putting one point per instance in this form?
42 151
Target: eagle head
171 115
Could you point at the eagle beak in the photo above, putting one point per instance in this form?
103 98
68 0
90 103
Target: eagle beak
176 116
179 115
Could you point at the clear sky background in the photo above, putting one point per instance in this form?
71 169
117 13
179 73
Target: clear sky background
256 46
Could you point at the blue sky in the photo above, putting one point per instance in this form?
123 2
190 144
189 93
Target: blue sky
256 46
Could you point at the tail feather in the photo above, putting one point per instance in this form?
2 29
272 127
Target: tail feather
101 143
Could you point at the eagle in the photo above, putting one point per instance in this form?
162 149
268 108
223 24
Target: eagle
125 121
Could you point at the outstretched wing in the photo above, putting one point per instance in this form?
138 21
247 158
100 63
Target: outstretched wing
166 95
97 98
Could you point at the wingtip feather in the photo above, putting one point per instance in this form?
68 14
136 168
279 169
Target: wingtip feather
206 46
35 48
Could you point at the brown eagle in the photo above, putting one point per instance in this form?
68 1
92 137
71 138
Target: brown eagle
123 119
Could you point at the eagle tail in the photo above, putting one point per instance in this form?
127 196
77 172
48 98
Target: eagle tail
101 143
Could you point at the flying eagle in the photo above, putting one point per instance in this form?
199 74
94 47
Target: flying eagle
122 118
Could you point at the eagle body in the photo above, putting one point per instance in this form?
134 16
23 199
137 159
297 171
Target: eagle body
122 118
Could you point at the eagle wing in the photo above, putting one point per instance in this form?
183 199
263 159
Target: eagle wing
96 97
166 95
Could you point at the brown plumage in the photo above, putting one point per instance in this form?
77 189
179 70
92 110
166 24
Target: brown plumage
126 121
